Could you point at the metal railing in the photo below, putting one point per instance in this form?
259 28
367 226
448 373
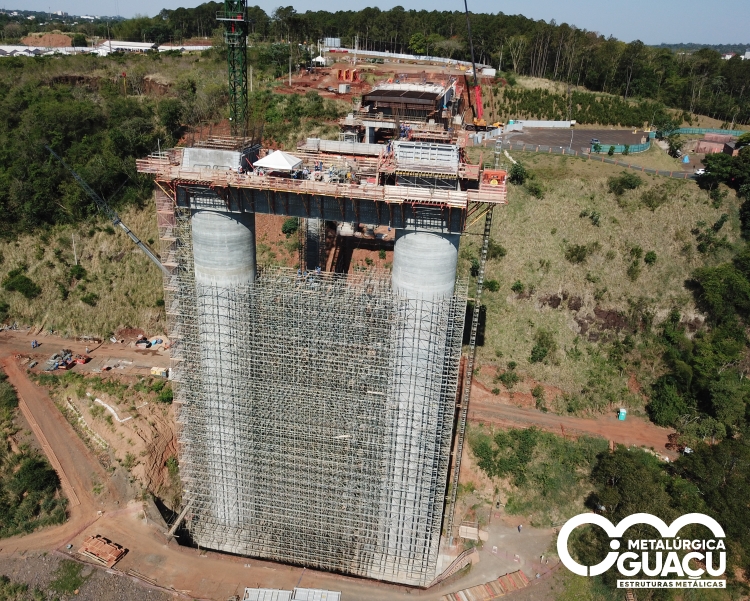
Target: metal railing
389 194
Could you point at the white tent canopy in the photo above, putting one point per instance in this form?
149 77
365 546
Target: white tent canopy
320 60
278 160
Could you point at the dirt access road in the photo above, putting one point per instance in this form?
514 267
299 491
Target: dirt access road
154 561
193 573
77 467
634 431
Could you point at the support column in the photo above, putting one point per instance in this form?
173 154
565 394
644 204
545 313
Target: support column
224 256
423 279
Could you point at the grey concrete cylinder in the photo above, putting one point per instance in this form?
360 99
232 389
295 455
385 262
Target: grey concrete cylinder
424 275
424 264
224 256
224 248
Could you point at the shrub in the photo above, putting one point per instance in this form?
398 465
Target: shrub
517 287
636 252
77 272
290 226
611 151
90 299
495 250
166 395
634 271
492 285
544 347
650 257
109 230
474 269
538 393
369 262
577 253
625 181
381 254
626 150
159 302
717 197
666 405
707 238
654 197
518 174
17 281
594 216
534 188
509 379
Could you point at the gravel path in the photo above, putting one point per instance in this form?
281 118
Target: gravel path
38 570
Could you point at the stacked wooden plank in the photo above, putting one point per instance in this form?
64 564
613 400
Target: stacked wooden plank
101 550
490 590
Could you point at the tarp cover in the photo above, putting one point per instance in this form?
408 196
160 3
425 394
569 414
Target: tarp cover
279 160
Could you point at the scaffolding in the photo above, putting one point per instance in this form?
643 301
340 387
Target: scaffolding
297 441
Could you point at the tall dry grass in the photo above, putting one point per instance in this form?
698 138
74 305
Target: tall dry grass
536 234
127 283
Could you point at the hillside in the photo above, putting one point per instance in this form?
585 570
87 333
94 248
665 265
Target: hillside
604 289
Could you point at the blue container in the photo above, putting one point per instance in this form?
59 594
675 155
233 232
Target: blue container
621 414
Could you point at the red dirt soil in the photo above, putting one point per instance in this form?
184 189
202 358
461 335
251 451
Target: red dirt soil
48 40
486 407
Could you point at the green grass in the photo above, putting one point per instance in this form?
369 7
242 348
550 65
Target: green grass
68 578
539 474
537 233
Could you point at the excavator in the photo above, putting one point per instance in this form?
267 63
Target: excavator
479 123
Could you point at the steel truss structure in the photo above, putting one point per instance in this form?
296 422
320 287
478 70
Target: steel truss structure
316 428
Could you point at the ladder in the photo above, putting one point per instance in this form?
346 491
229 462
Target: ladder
469 372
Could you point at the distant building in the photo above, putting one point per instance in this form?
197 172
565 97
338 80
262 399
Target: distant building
109 46
728 55
747 55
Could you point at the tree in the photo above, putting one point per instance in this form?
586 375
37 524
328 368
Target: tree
675 144
450 46
518 174
666 405
516 46
79 41
722 473
418 43
13 31
742 141
729 396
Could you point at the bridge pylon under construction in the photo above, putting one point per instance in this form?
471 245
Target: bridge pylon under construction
317 410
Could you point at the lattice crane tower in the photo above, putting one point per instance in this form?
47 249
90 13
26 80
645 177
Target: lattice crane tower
234 17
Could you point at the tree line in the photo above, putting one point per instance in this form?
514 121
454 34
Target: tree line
697 81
